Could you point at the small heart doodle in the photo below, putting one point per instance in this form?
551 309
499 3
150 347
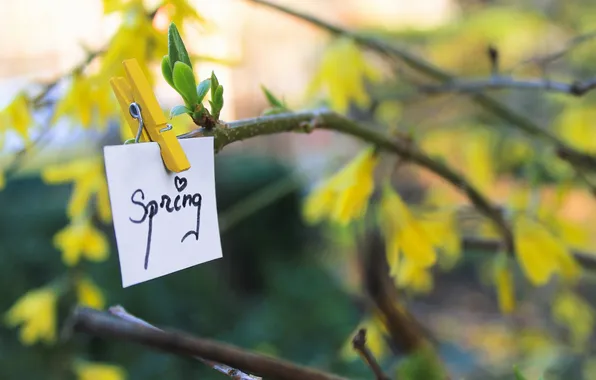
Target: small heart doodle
180 183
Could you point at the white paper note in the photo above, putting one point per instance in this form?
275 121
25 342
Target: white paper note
164 221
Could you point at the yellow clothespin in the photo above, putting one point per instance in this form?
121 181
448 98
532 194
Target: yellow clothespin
145 117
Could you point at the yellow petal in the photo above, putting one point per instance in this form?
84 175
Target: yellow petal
398 224
95 244
343 197
99 371
413 277
536 250
505 290
89 294
36 311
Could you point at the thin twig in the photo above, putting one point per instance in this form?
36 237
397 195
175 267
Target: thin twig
105 325
569 46
234 373
502 83
359 344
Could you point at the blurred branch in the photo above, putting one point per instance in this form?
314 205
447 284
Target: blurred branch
359 344
235 374
404 330
500 83
307 121
569 46
394 52
105 325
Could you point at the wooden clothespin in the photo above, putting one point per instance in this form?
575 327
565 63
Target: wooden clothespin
145 117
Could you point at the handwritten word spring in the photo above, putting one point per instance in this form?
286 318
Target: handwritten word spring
168 204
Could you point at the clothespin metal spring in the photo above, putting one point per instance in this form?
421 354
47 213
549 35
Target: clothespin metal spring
135 111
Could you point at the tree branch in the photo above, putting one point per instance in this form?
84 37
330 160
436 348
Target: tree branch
405 331
359 344
104 325
392 52
501 83
307 121
235 374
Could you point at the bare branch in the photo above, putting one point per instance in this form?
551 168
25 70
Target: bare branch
105 325
569 46
502 83
405 331
359 344
235 374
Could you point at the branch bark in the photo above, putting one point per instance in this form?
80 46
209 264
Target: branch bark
578 88
104 325
307 121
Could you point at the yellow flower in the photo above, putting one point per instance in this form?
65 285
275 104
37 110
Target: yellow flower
136 38
413 277
504 283
477 155
36 311
80 238
575 126
403 233
344 82
89 179
98 371
17 116
180 11
576 314
88 294
540 254
344 197
441 229
86 98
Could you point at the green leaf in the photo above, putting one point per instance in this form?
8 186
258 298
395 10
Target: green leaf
176 49
185 84
421 364
203 88
214 83
518 374
178 110
273 101
166 70
218 102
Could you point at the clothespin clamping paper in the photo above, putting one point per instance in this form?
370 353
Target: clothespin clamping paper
164 220
145 117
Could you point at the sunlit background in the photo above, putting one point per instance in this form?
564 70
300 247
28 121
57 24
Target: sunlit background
285 287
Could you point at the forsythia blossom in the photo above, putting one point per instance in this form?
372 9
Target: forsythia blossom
541 254
36 313
98 371
89 179
17 116
344 197
404 235
503 279
81 238
88 294
344 83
